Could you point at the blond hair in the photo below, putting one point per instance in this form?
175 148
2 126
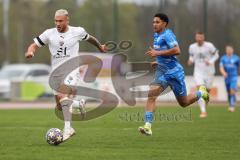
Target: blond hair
61 12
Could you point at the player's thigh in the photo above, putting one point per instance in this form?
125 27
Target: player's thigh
179 89
72 81
73 78
64 85
177 83
158 85
64 91
155 91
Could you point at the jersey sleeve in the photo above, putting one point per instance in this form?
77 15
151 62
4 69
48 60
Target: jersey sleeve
170 39
83 35
214 53
191 53
212 48
42 39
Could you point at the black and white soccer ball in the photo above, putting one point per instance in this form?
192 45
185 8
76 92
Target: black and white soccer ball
54 136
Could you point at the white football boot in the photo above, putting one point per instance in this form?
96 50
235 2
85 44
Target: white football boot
231 109
67 133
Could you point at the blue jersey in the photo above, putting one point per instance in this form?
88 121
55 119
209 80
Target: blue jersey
169 72
230 65
164 41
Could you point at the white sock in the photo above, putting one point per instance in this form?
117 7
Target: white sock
66 114
202 105
67 124
67 117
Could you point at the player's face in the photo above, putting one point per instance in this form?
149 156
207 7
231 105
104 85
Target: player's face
61 23
158 24
229 50
199 38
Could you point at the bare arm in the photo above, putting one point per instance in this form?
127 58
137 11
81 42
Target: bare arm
154 64
223 72
31 50
96 43
190 62
169 52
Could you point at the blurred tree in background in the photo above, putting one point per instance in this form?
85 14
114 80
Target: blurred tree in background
121 20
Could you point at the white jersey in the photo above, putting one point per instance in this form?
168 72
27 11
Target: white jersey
62 46
199 55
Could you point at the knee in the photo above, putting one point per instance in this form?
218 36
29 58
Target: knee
152 99
232 92
59 107
183 104
58 99
65 90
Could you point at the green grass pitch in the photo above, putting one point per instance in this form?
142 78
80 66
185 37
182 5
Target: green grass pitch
115 137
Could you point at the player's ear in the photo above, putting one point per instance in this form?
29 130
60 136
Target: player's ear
67 20
166 24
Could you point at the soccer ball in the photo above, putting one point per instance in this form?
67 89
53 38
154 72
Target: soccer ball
54 136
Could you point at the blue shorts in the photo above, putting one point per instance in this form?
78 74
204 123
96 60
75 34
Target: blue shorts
173 78
231 83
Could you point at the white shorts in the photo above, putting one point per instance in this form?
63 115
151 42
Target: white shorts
73 79
69 80
204 80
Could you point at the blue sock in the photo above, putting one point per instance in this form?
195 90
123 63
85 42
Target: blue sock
235 98
198 94
229 98
232 101
149 117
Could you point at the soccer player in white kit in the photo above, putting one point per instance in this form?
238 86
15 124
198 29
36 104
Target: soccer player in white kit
203 54
63 43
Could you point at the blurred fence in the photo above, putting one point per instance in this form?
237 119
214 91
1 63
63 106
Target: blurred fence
30 91
124 87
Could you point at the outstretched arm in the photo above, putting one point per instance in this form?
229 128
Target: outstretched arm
31 50
95 42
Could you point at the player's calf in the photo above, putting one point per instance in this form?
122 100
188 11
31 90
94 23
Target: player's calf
185 101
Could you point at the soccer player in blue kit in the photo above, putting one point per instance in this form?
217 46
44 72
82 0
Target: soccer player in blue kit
169 72
229 66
